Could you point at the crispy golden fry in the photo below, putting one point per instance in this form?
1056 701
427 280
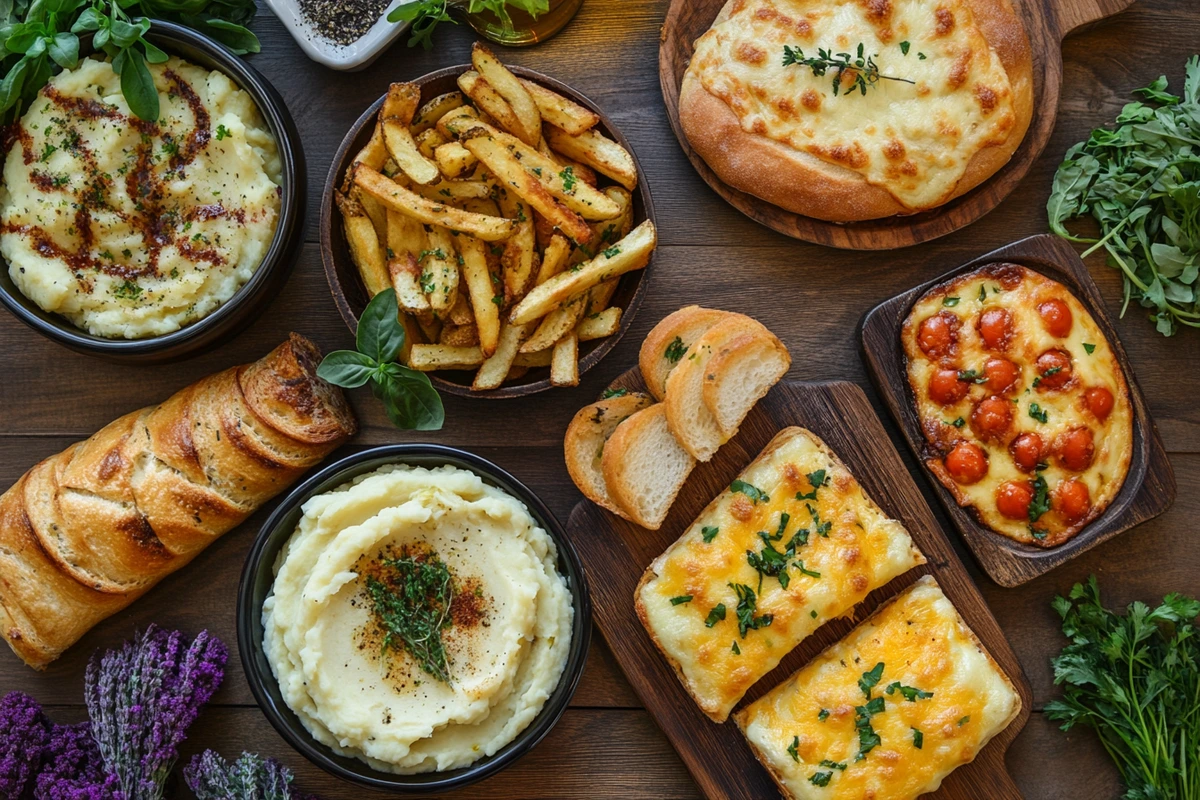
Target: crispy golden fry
554 259
428 115
557 324
396 197
408 157
460 313
439 269
412 335
373 209
564 364
431 328
400 104
508 86
519 258
457 119
559 111
496 368
597 151
374 154
515 373
429 140
453 159
449 191
459 335
632 252
405 274
598 297
539 359
404 235
515 178
485 96
430 357
365 249
585 173
482 291
597 326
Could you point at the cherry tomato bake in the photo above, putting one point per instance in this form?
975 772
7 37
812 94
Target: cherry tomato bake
1023 404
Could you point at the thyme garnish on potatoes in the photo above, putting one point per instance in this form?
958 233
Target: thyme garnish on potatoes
412 604
863 70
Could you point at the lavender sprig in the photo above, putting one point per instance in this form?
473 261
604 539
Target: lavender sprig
142 699
251 777
71 767
24 733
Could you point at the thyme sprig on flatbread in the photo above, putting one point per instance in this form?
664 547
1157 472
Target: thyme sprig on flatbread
861 69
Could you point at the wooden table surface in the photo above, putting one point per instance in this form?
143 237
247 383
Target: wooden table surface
606 745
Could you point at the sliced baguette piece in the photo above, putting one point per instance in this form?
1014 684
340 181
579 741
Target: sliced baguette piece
687 415
644 467
740 374
586 438
660 352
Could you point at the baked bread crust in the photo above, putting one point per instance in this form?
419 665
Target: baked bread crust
800 182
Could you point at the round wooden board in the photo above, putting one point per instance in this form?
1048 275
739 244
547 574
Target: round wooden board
1046 22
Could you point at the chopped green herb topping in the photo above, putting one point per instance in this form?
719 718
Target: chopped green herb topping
1089 347
609 393
794 748
1038 413
681 599
870 679
675 350
950 301
753 492
910 693
715 616
709 532
816 480
747 605
918 738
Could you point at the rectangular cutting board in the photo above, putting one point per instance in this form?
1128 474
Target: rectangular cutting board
615 552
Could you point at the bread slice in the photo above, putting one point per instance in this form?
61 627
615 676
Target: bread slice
741 374
644 467
668 342
689 418
586 438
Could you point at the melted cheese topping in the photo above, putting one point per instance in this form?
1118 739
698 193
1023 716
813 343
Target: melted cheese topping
1021 291
922 643
860 550
913 140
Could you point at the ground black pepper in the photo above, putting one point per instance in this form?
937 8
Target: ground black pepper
342 21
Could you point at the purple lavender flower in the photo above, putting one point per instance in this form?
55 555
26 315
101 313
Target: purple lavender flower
24 732
251 777
71 768
143 698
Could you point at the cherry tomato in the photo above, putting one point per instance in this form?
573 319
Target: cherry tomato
1056 316
1053 369
967 463
1002 374
938 334
1076 449
991 418
996 328
945 387
1013 499
1099 401
1026 451
1070 498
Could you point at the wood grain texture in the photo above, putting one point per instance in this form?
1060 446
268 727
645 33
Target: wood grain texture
1045 23
616 552
1149 487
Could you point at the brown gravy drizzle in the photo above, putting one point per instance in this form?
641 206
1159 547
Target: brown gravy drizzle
156 224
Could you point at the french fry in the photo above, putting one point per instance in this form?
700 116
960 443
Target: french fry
430 357
412 335
515 373
583 171
405 274
539 359
485 96
456 120
517 262
564 363
439 269
396 197
554 259
404 152
559 111
493 372
404 235
598 297
429 140
459 335
557 324
632 252
428 115
597 151
597 326
448 191
453 159
478 279
514 177
431 328
365 249
400 103
374 210
508 86
460 313
374 154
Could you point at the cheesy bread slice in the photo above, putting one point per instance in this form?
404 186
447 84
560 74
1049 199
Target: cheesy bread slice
793 543
889 711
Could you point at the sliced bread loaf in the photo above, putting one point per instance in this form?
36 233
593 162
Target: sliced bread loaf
644 467
740 374
668 342
585 442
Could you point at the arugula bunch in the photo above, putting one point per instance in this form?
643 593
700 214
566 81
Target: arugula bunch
408 397
1135 680
40 37
425 15
1141 181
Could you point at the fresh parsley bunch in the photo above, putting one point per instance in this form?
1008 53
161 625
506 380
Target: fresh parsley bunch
1135 680
425 15
40 37
408 397
1141 181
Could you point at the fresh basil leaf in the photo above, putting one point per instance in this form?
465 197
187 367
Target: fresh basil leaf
88 21
233 35
64 49
347 368
153 54
100 42
13 83
410 400
124 33
138 86
380 334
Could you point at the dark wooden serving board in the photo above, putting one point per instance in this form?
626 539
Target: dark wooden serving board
1047 22
1149 488
615 553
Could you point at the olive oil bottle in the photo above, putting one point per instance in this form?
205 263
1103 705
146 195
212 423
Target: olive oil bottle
526 30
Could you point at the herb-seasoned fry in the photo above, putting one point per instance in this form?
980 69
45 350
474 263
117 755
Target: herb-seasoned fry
395 196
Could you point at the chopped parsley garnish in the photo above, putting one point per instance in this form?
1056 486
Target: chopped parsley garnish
823 715
498 299
1038 413
982 294
904 47
822 528
1038 533
1040 503
813 613
817 480
427 284
809 572
825 762
747 605
964 720
958 423
610 252
753 492
794 748
47 151
820 778
737 651
438 253
868 739
675 350
222 132
869 679
921 56
715 616
128 290
569 180
709 532
1052 371
1089 347
613 393
918 738
972 375
910 693
950 301
681 599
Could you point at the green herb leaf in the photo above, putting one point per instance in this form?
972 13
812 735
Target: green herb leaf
918 738
716 615
747 605
823 715
681 599
609 393
137 84
1038 413
862 70
753 492
347 368
675 350
816 480
709 532
1089 348
410 400
825 762
950 301
910 693
380 334
412 604
820 778
737 651
1041 498
904 47
870 679
794 748
964 720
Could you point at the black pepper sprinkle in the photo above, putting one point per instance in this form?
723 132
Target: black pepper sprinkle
342 21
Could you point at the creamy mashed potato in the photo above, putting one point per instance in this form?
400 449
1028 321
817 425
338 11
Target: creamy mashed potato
505 639
132 229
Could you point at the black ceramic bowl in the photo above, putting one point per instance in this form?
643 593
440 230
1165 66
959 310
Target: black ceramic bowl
243 307
257 578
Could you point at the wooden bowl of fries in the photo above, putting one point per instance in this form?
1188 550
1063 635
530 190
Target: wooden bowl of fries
516 249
